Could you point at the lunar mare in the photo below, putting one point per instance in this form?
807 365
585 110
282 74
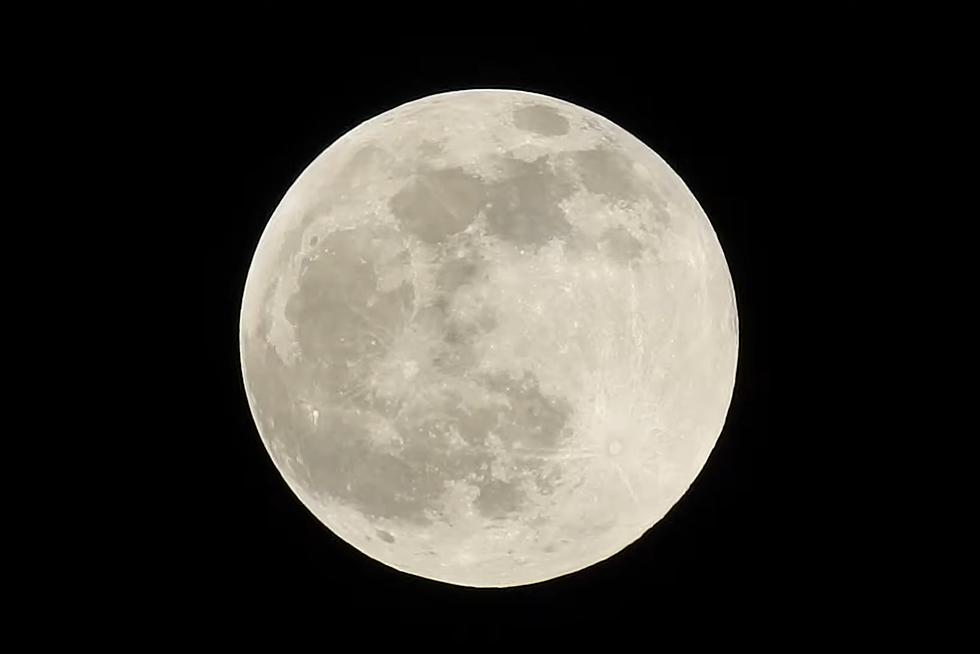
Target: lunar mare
489 338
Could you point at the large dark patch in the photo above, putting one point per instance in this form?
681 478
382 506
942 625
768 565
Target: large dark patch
438 203
532 419
524 208
342 321
342 462
607 172
541 119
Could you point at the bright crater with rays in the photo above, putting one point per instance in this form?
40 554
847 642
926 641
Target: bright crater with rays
489 338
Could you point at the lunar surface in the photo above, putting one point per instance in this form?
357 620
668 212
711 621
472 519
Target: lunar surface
489 338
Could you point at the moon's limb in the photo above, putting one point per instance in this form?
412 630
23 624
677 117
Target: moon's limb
489 338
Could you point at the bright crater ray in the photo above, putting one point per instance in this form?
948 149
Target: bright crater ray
489 338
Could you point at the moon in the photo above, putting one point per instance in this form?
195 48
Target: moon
489 338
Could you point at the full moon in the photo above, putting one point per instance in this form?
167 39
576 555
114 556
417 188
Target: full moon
489 338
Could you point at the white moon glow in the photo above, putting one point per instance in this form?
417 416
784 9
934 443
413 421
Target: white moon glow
489 338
